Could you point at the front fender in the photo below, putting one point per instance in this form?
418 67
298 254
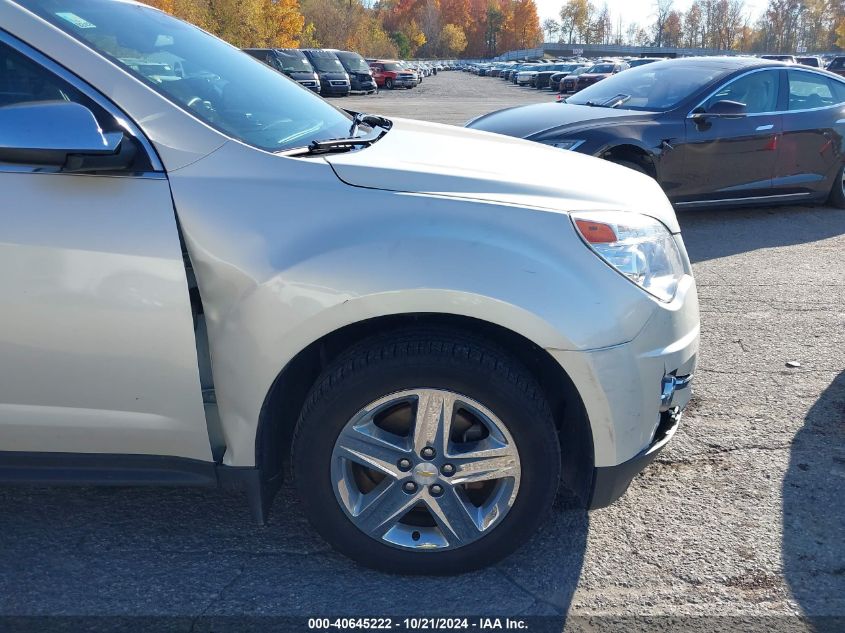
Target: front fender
279 268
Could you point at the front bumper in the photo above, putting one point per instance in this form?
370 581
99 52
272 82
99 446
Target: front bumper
310 84
634 393
611 482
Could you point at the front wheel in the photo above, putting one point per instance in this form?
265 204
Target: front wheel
426 452
837 193
388 83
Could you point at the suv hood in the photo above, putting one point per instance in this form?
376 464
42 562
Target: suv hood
443 160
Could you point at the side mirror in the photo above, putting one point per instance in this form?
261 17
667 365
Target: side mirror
724 110
60 134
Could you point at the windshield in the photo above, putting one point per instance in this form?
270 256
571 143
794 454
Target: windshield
227 89
602 68
293 61
325 62
659 86
353 62
393 67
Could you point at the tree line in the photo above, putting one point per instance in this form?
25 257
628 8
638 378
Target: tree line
385 28
786 26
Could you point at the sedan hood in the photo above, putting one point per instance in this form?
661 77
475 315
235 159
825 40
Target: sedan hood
443 160
535 120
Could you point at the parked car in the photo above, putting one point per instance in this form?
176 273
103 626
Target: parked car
291 62
544 75
360 74
526 76
334 80
401 354
786 59
711 131
514 73
812 61
598 73
390 74
408 66
642 61
568 84
837 65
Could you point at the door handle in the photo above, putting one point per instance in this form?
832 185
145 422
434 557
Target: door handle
763 128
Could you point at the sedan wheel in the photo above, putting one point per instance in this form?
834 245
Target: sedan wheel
837 193
426 452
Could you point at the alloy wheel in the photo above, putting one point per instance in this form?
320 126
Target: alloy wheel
425 469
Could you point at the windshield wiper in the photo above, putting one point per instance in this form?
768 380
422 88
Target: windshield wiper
372 120
343 144
330 145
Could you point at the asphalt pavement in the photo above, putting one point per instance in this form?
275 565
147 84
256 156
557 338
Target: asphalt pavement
741 517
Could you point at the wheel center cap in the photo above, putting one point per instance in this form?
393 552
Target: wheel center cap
425 474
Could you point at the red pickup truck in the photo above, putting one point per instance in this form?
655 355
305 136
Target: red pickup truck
390 74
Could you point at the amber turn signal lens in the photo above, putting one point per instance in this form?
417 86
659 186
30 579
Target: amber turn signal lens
596 232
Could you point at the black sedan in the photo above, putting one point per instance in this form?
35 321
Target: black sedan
712 131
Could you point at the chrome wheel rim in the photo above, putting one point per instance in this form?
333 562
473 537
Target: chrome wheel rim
425 469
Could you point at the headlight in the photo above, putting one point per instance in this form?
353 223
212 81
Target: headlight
568 144
638 246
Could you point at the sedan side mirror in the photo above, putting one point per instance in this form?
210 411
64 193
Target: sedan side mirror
724 110
60 134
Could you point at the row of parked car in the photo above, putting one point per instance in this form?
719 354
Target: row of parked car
337 73
568 76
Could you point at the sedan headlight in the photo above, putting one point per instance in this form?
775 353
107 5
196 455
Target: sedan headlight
569 144
639 247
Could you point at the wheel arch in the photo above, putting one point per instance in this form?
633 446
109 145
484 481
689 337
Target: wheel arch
631 152
284 400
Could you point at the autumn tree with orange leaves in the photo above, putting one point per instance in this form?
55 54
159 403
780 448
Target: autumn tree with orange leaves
244 23
388 28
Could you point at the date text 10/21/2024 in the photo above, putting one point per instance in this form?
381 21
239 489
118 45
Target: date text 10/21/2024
417 624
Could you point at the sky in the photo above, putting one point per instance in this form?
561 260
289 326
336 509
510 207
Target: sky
641 11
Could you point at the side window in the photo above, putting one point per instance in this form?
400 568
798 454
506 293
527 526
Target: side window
758 91
24 81
808 91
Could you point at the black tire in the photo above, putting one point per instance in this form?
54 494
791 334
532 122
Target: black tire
439 359
388 83
837 192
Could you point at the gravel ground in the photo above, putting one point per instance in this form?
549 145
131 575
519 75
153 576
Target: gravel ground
741 516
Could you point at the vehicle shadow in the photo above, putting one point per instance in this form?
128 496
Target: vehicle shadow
814 513
714 233
193 558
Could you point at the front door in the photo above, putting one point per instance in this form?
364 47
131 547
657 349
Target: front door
727 158
97 349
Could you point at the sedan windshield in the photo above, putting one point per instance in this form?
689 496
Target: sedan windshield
227 89
658 87
601 69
